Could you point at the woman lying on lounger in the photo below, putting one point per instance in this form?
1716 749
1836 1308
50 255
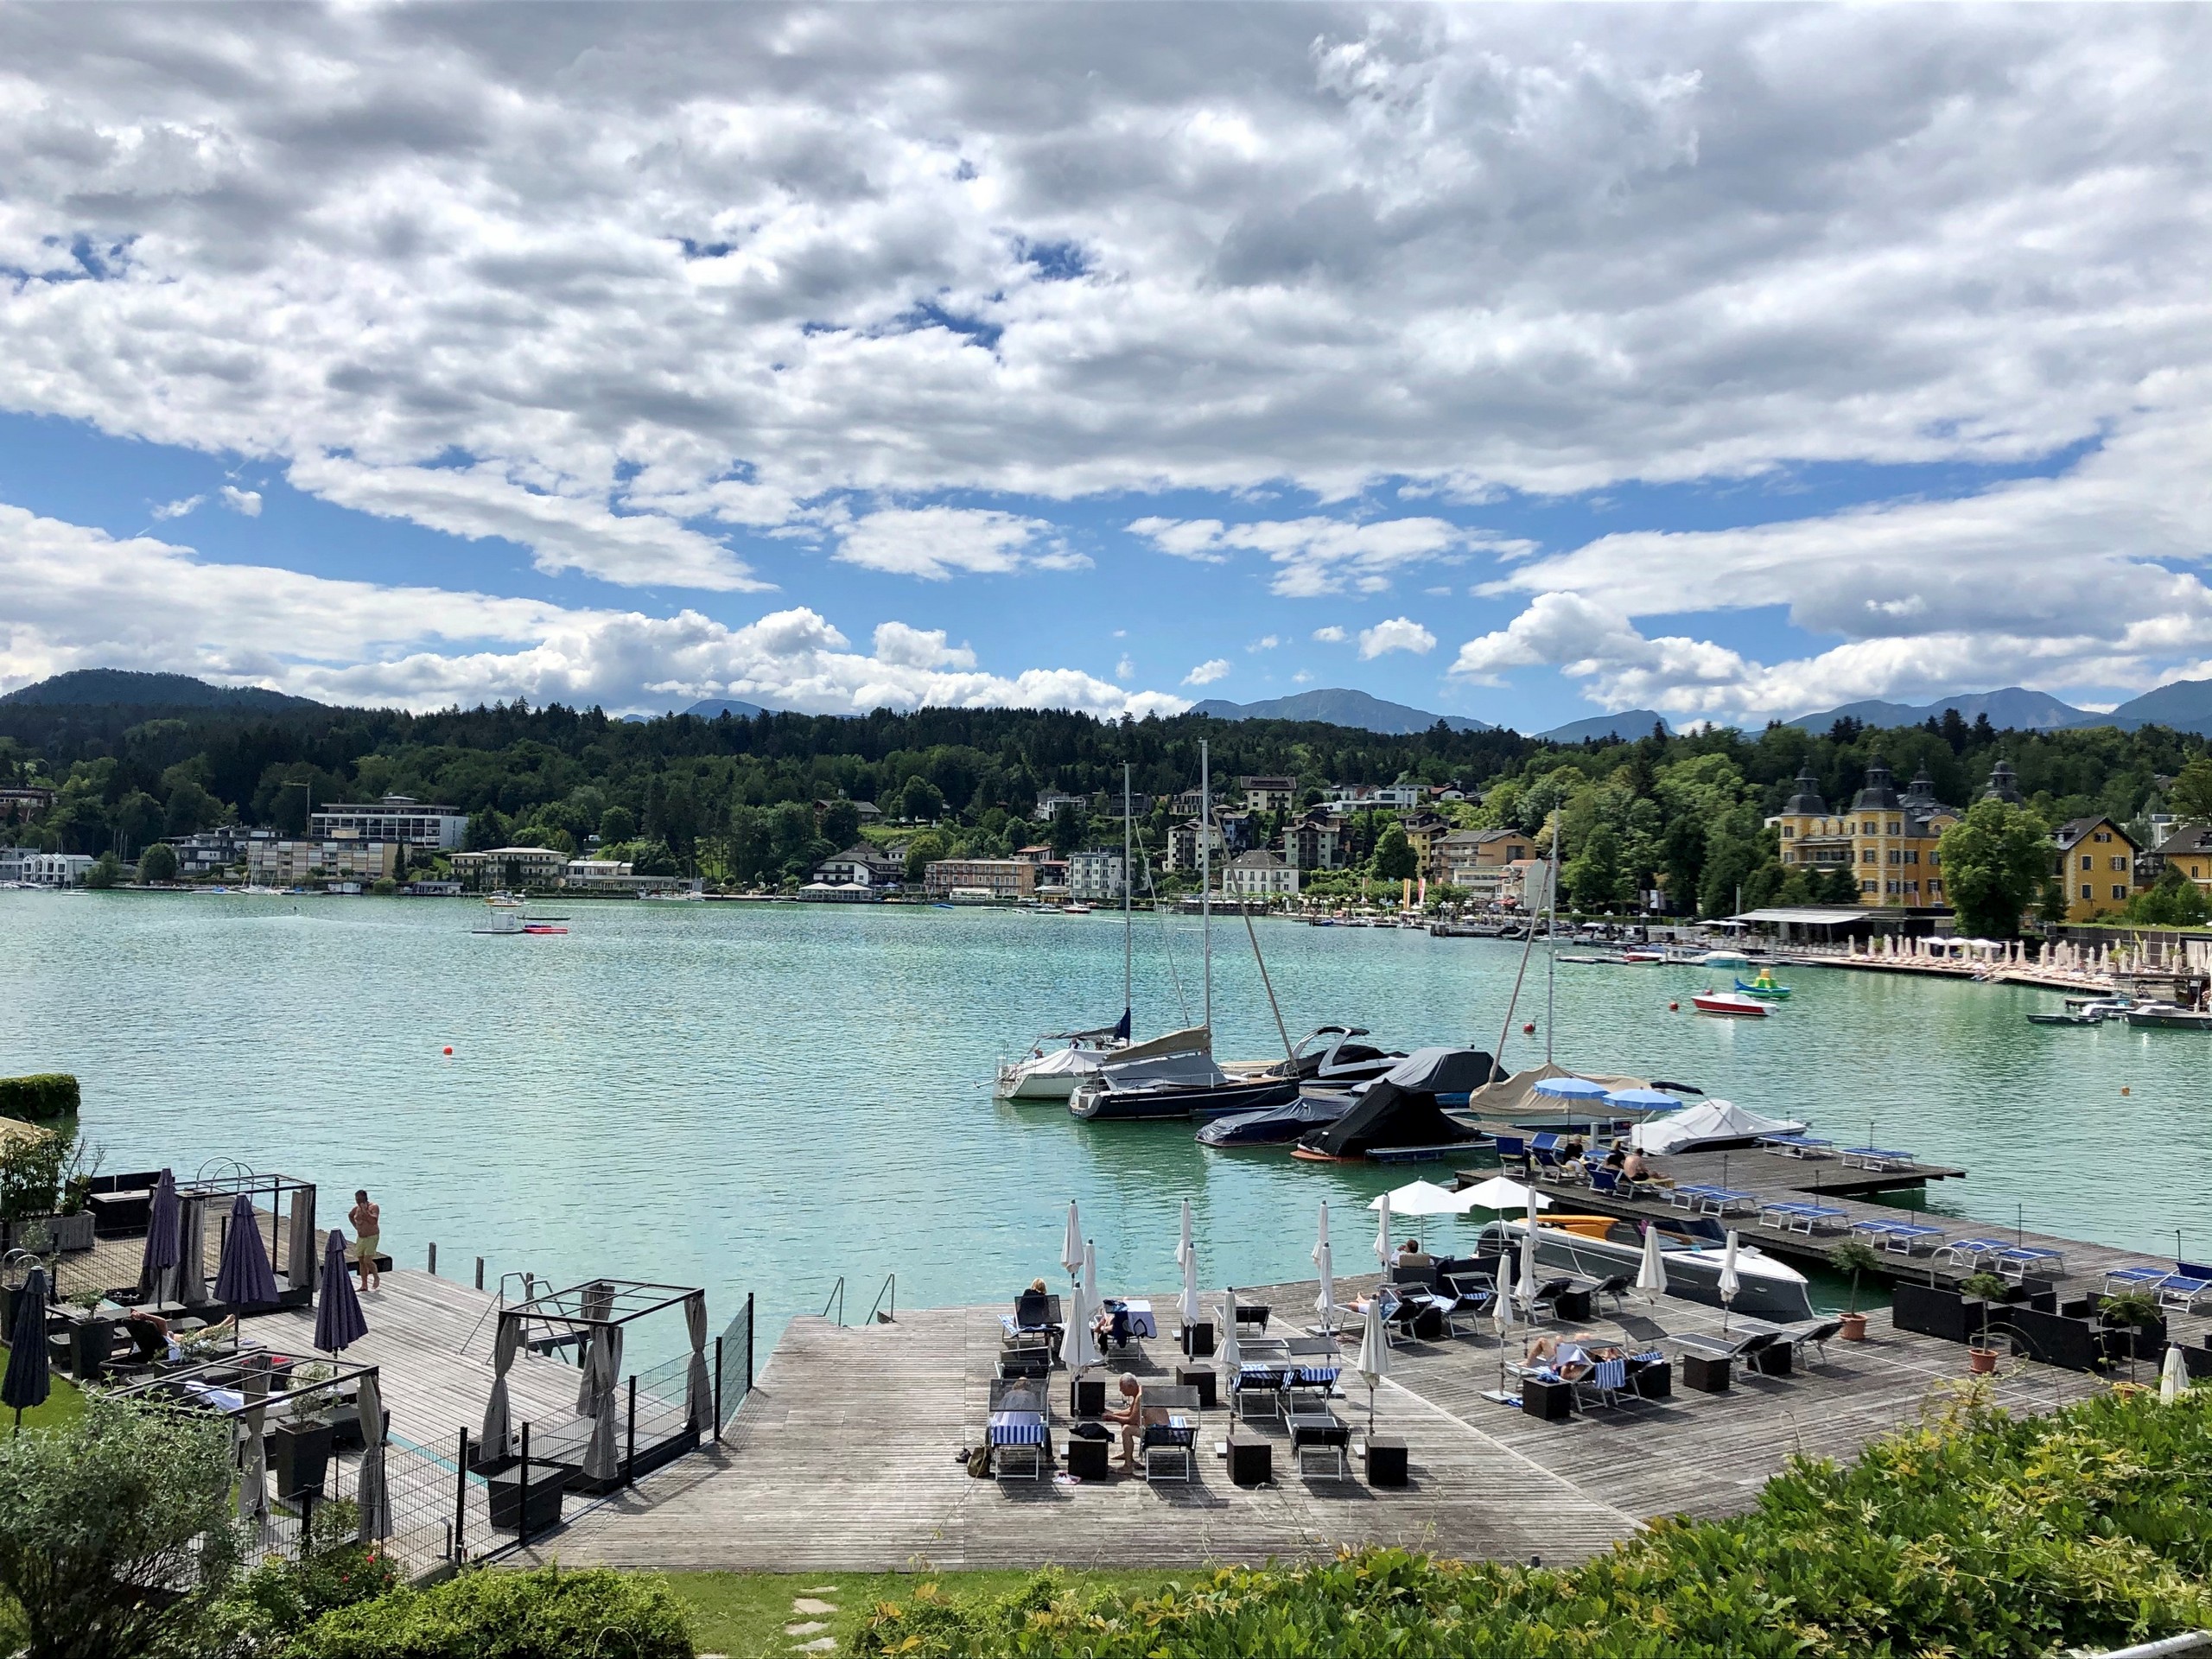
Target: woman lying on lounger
1565 1356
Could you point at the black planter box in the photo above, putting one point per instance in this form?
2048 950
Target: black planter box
541 1505
1704 1374
91 1341
1652 1381
1202 1379
2197 1361
1552 1401
1251 1463
1087 1459
1933 1311
2145 1342
2056 1339
302 1456
1386 1462
1774 1360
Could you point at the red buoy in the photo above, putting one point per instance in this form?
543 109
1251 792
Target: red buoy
1529 1029
448 1048
1672 1007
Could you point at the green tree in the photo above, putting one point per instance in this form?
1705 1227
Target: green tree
1071 828
487 829
921 801
157 863
1394 859
2173 900
102 1520
190 808
137 820
1594 876
106 871
1996 861
1839 885
2052 906
618 824
2191 795
921 852
841 824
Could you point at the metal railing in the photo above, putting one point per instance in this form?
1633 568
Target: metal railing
877 1312
732 1366
837 1300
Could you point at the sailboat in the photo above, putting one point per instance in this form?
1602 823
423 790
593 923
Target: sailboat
1053 1073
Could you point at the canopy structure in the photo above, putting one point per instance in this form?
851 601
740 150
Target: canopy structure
1423 1199
1708 1123
1401 1107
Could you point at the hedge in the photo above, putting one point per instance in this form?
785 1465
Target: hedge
1973 1533
48 1095
494 1614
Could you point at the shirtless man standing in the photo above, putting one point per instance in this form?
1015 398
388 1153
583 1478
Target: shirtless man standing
367 1219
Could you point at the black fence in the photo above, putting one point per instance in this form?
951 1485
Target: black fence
733 1366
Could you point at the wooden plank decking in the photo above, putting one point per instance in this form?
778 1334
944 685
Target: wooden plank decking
844 1458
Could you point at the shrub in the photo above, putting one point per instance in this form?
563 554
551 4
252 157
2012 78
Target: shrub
490 1614
263 1612
1972 1532
47 1095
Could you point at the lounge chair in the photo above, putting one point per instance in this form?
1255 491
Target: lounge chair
1879 1158
1605 1385
1803 1334
1547 1295
1798 1145
1401 1314
1807 1218
1551 1161
1898 1237
2184 1291
2150 1279
1027 1362
1606 1181
2022 1259
1324 1433
1750 1344
1618 1286
1513 1149
1020 1425
1173 1442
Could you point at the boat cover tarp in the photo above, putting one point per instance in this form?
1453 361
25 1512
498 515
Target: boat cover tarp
1709 1120
1196 1040
1069 1062
1517 1093
1399 1108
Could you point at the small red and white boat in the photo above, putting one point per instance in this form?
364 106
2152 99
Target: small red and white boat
1730 1002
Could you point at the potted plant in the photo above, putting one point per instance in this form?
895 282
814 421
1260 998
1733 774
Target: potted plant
2130 1311
1854 1256
1981 1358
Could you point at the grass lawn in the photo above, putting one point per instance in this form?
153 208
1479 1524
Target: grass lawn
743 1614
64 1405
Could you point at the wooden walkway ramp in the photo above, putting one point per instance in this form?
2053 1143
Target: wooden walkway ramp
844 1457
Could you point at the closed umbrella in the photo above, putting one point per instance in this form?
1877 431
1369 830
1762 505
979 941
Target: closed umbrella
29 1380
1729 1283
1071 1242
1526 1288
1187 1257
243 1278
253 1462
1373 1361
1324 1263
2173 1376
1651 1272
1078 1342
338 1320
164 1243
1382 1233
1232 1353
1502 1313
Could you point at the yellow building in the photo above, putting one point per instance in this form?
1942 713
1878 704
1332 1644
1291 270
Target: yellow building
2096 860
1885 838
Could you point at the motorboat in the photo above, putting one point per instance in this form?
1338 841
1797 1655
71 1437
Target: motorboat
1330 1057
1708 1126
2168 1016
1402 1111
505 918
1724 958
2085 1010
1730 1002
1050 1073
1278 1125
1766 1288
1174 1076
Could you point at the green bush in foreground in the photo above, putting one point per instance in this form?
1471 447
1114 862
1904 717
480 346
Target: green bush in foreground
547 1614
1973 1534
36 1099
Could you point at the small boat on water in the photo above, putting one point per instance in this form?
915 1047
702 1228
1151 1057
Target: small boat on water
1766 1289
1765 987
1175 1076
1730 1002
2168 1016
506 918
1053 1073
2085 1010
1277 1125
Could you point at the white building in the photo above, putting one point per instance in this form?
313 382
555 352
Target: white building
515 866
1048 802
1096 873
52 869
288 863
215 852
863 866
1259 875
398 818
1183 846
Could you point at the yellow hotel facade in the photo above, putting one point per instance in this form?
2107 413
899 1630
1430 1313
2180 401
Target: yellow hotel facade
1887 837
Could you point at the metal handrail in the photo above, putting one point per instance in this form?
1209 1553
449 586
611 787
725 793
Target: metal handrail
530 1281
836 1296
890 1286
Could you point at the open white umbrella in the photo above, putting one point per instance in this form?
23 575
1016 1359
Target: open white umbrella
1071 1242
1498 1193
1651 1272
1423 1199
1186 1254
1382 1251
1324 1263
1729 1283
1373 1361
2173 1376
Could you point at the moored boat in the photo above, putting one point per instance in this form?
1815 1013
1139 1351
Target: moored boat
1730 1002
1766 1289
2168 1016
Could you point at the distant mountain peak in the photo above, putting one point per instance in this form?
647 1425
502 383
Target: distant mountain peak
1628 725
2014 707
1341 706
716 708
97 686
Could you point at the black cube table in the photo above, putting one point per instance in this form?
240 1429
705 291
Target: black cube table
1087 1459
1553 1402
1704 1373
1197 1340
1251 1462
1653 1382
1386 1462
1772 1362
1203 1378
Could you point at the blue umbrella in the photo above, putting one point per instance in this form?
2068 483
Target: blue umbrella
164 1237
1643 1100
244 1279
338 1318
1572 1088
28 1382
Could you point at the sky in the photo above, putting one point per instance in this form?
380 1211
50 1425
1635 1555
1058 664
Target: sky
1514 363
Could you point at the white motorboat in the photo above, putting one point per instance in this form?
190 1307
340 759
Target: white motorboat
1767 1289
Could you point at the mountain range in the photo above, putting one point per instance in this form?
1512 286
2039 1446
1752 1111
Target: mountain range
99 686
1341 706
2185 705
716 708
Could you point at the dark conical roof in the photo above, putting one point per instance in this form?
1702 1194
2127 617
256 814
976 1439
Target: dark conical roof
1921 791
2002 785
1879 793
1808 799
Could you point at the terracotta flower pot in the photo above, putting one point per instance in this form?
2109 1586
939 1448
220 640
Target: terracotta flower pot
1854 1327
1981 1362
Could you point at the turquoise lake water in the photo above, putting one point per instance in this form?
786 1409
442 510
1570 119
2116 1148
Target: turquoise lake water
765 1098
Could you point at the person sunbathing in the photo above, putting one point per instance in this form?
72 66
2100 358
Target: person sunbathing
1565 1356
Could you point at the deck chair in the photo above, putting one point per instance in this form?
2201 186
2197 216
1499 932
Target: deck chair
2184 1291
1813 1333
1548 1295
1401 1316
1331 1441
1173 1442
1031 1361
1513 1149
1606 1181
1617 1286
1019 1426
1744 1347
1605 1385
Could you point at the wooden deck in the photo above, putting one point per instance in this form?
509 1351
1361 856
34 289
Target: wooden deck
844 1457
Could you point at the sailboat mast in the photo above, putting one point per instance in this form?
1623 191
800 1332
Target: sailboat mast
1551 944
1129 881
1205 873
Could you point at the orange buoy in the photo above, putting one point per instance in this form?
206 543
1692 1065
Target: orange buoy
2125 1090
448 1048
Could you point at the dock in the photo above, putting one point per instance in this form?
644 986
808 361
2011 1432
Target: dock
846 1454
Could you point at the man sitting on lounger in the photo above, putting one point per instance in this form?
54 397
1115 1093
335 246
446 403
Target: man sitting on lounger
1133 1414
1410 1255
1636 1167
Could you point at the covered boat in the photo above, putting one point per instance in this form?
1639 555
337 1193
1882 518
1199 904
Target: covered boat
1707 1124
1174 1076
1404 1108
1278 1125
1053 1073
1766 1288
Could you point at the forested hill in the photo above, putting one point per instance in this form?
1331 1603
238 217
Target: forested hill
737 798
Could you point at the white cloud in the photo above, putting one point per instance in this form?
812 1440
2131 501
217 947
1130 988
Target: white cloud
1265 642
1207 672
178 509
1318 556
1399 633
79 598
1195 539
247 502
1302 678
936 543
1332 635
1125 669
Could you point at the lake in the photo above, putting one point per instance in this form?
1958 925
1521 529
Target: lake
765 1097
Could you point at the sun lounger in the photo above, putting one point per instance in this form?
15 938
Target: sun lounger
1513 1149
1798 1145
1898 1237
1807 1218
1173 1441
2145 1278
1325 1433
1605 1386
1705 1200
1802 1334
2184 1293
1968 1252
1551 1161
2019 1262
1754 1341
1019 1432
1877 1158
